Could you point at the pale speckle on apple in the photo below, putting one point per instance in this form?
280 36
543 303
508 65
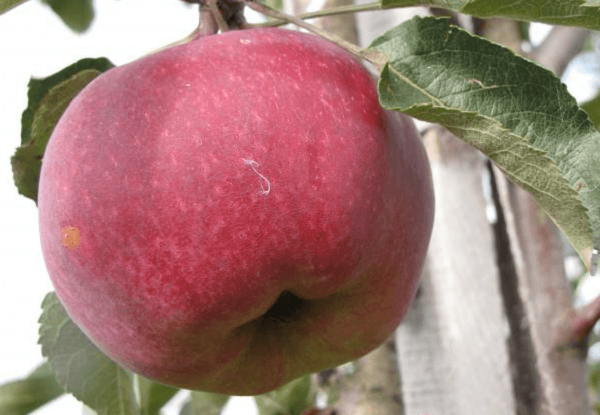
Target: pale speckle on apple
70 237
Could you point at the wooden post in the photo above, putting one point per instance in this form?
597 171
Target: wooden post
452 347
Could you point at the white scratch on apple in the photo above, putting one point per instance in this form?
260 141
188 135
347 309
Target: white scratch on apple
265 184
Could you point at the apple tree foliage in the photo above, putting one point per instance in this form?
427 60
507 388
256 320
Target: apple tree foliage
514 111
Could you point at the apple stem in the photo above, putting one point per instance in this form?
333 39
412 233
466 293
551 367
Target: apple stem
208 25
332 11
217 16
377 58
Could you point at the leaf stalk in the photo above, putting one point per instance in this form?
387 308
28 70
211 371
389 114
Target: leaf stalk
333 11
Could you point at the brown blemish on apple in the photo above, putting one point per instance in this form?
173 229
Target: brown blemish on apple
70 237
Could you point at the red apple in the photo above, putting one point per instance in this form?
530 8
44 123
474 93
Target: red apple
232 213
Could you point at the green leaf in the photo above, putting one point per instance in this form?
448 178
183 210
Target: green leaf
24 396
204 403
76 14
88 411
48 98
6 5
80 367
292 398
517 113
558 12
153 396
592 107
594 378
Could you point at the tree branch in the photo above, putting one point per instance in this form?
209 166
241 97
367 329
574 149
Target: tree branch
573 331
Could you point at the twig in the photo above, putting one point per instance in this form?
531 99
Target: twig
332 11
375 57
578 324
587 317
208 24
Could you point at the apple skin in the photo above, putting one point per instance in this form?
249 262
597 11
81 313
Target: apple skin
235 212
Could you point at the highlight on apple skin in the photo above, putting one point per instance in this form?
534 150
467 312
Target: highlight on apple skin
235 212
